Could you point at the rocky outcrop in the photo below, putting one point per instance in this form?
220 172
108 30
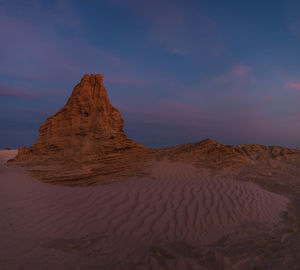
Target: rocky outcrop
87 125
275 168
84 139
84 143
211 154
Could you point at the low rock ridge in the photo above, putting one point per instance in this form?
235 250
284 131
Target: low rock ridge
85 143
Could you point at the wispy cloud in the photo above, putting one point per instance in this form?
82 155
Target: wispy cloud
30 94
15 93
237 72
33 111
293 85
240 70
236 78
268 98
199 122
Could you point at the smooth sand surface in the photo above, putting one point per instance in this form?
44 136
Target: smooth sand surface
119 225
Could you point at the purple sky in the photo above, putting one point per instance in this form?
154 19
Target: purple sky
178 71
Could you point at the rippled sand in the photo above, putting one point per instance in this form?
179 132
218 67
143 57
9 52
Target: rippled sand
122 225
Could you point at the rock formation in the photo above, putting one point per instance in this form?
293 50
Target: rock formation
84 142
85 138
275 168
87 125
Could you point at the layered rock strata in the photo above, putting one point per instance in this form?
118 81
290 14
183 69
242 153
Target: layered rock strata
84 143
87 125
84 139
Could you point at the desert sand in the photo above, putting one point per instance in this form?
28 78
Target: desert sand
117 204
163 221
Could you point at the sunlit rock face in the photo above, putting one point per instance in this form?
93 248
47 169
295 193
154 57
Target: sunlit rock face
84 142
87 125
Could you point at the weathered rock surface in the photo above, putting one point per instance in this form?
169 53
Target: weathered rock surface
275 168
83 139
84 142
211 154
87 125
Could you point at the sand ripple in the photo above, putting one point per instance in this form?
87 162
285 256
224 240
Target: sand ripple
117 225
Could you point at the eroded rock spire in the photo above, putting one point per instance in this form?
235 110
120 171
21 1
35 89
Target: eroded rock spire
86 126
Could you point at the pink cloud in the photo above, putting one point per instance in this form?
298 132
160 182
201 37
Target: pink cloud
187 115
169 112
240 70
235 73
15 93
293 85
268 98
295 116
235 78
196 121
33 111
31 95
260 125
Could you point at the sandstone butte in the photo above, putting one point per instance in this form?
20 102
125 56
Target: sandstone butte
84 143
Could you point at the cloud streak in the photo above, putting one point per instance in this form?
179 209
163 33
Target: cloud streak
293 85
15 93
239 72
200 122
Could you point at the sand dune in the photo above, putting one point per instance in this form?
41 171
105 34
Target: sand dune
5 155
122 225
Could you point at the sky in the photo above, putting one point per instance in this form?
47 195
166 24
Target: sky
178 71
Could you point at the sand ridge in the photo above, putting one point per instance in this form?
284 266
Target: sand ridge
119 225
5 155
